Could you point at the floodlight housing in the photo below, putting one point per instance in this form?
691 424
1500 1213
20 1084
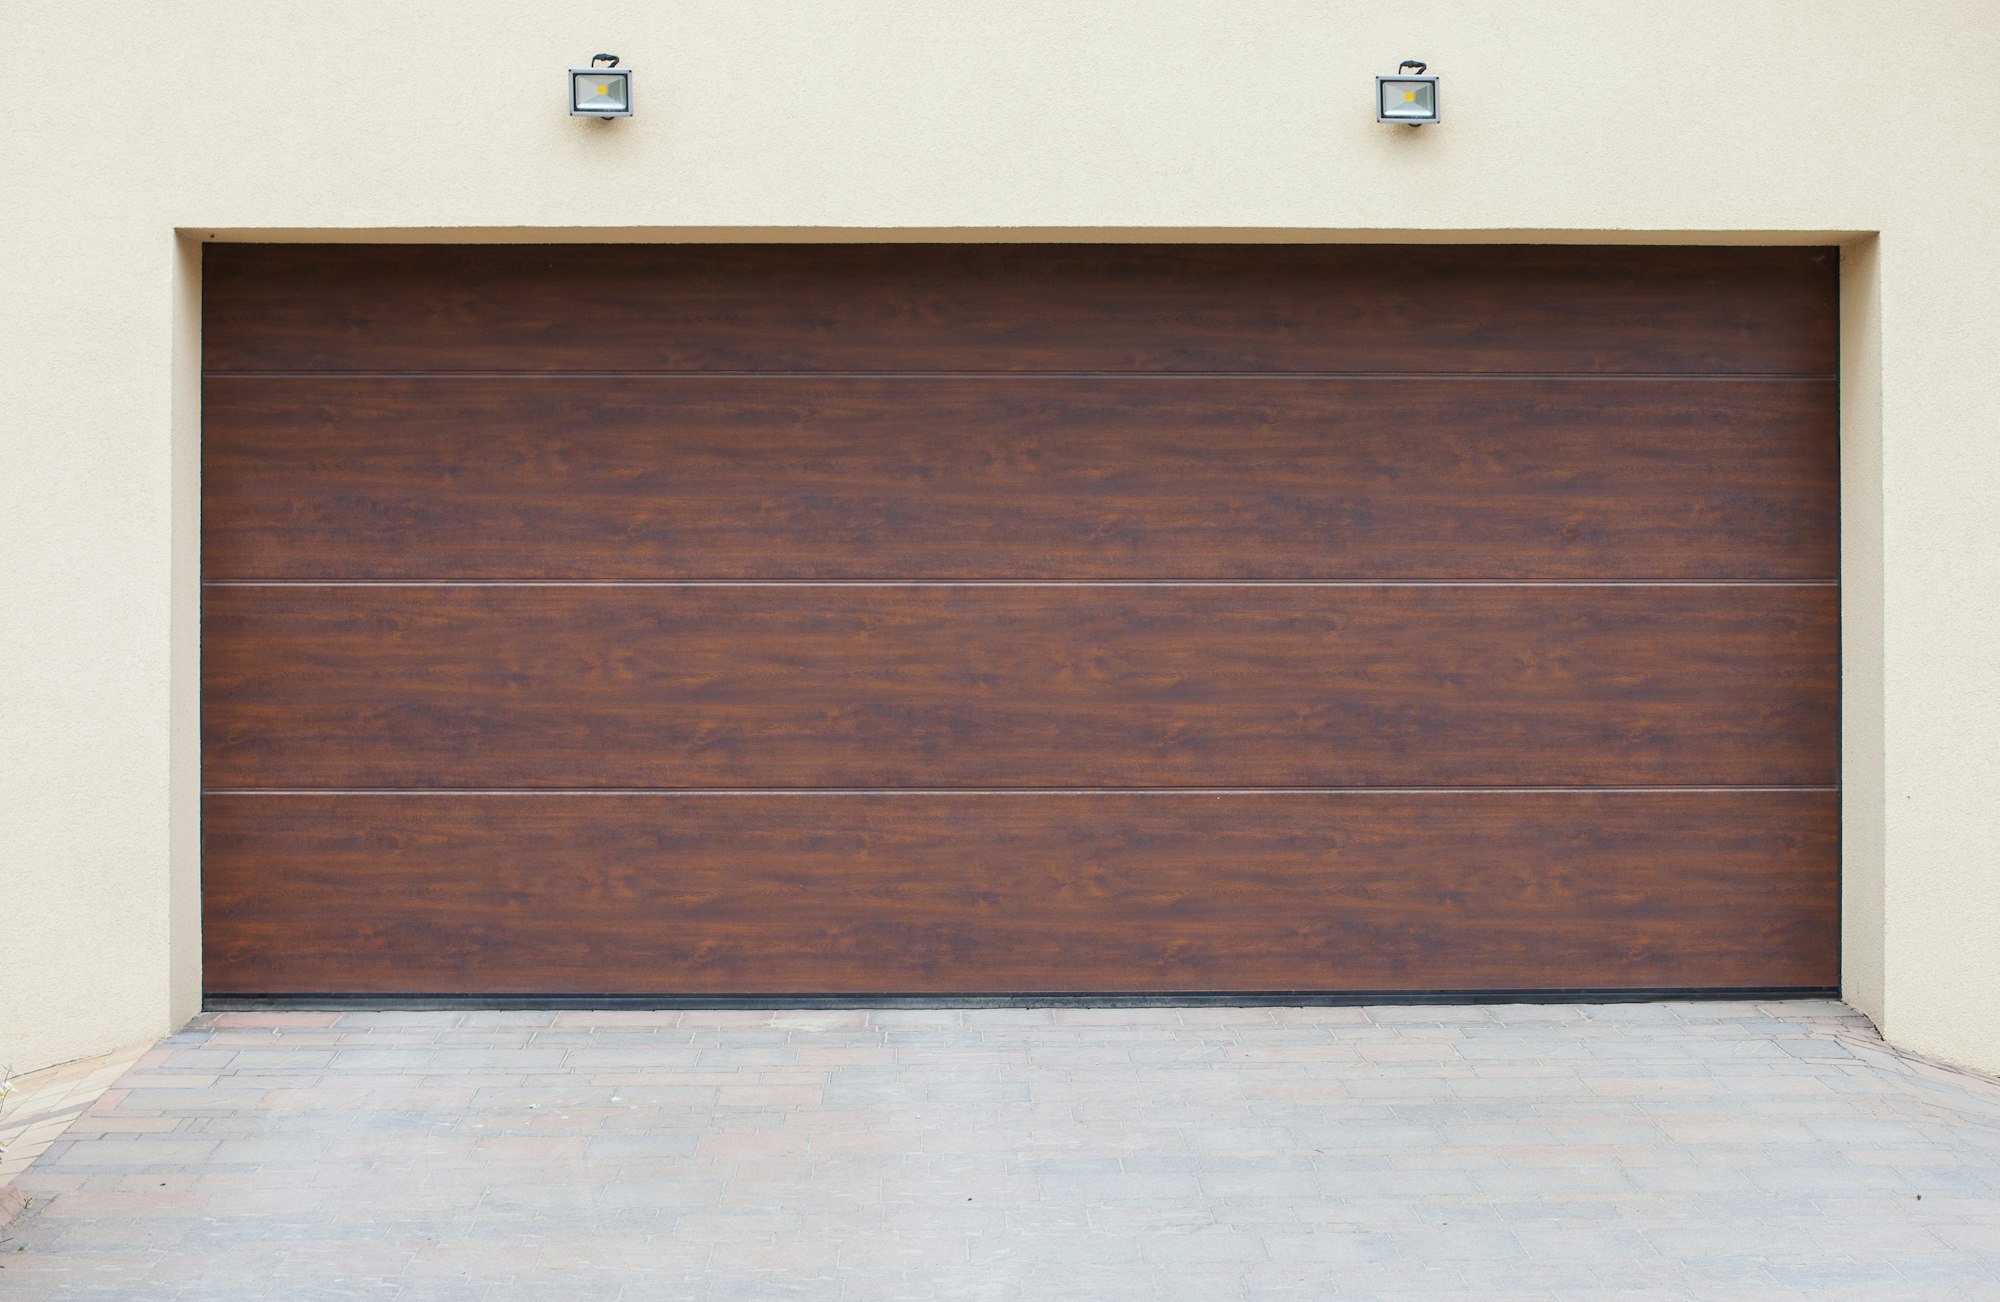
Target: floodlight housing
603 90
1409 97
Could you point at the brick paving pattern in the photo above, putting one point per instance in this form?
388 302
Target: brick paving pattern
1685 1151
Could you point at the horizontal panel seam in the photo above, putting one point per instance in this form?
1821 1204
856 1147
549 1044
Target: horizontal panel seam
1019 583
1014 791
1788 377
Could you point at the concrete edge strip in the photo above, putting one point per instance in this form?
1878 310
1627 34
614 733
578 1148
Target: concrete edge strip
59 1095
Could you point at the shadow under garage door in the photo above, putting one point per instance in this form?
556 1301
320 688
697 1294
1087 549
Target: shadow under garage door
865 619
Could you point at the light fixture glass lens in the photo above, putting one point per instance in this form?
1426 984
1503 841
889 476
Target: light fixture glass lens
600 92
1413 100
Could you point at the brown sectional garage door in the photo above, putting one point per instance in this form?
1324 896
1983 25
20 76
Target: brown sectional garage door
1009 619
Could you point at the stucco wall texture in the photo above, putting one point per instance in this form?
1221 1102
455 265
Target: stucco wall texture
135 133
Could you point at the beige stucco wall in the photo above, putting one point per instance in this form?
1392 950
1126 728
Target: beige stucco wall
134 132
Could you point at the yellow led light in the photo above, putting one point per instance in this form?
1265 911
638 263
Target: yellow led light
604 90
1409 96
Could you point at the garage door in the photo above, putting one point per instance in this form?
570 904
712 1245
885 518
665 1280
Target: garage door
1006 619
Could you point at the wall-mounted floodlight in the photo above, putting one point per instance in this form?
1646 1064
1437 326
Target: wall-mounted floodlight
603 90
1409 97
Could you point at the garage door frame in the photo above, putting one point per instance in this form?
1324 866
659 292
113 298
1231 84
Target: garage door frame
1289 997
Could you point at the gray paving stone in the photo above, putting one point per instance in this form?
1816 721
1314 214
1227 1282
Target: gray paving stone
1457 1244
132 1152
1329 1246
1204 1244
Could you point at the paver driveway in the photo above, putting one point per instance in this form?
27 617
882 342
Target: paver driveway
1693 1150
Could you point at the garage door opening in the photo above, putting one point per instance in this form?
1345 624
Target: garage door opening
832 622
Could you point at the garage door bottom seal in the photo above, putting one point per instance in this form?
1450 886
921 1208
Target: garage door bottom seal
1051 999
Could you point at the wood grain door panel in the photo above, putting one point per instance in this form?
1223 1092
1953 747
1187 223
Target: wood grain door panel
1031 478
999 307
1019 686
909 893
